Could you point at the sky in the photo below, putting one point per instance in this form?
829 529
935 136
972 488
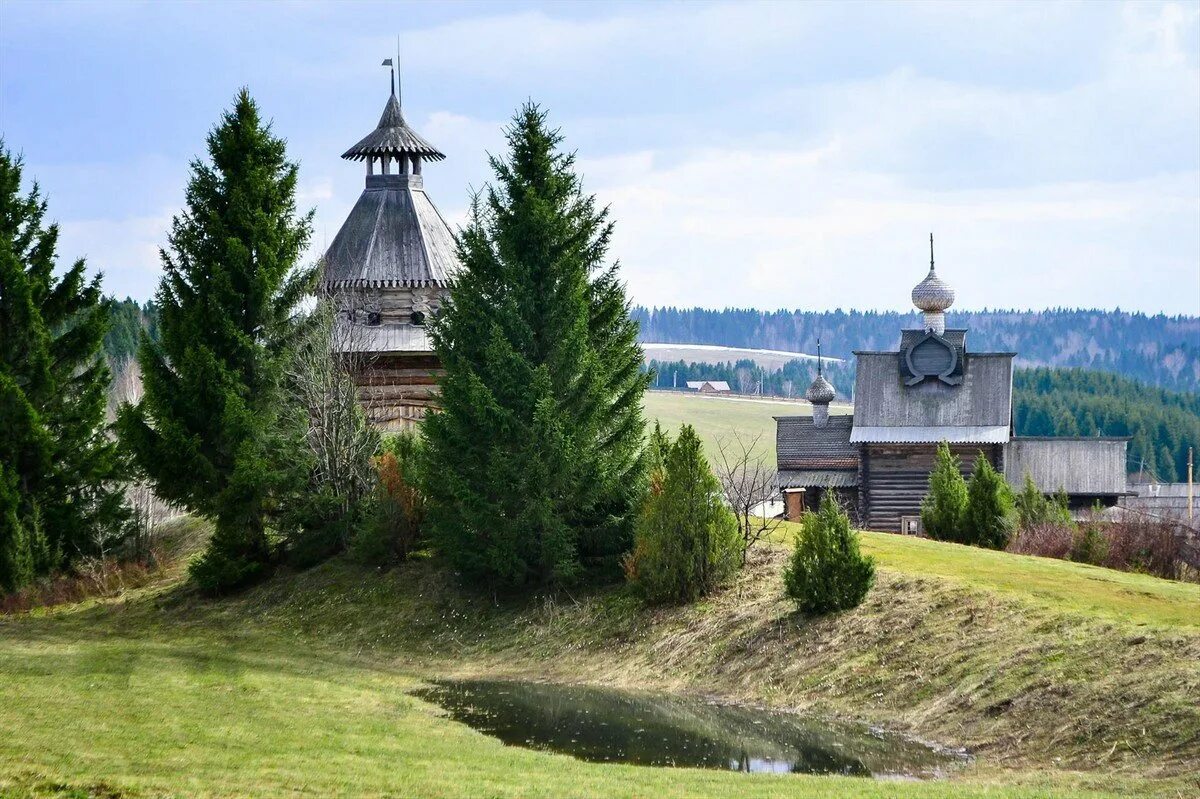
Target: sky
773 155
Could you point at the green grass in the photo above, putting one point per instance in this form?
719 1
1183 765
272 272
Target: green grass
1062 683
1056 585
714 416
1053 584
234 717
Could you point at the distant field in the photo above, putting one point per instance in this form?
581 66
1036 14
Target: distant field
714 417
711 353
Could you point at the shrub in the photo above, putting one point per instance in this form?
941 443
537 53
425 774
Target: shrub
686 541
392 528
827 572
1089 544
945 505
320 525
225 565
1035 508
989 518
1046 540
1145 545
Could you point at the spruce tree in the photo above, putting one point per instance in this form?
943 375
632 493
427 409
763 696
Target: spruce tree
60 495
687 541
209 421
827 571
534 466
989 518
944 506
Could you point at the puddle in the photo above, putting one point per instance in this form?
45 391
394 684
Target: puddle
645 729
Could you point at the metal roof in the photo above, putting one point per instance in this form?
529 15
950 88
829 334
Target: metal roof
930 435
800 444
392 136
979 410
715 385
394 236
1076 465
816 478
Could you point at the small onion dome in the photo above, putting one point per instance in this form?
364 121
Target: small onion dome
821 392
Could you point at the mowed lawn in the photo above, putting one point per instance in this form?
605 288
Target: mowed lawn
715 417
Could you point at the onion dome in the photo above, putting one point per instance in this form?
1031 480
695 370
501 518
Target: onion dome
933 296
821 392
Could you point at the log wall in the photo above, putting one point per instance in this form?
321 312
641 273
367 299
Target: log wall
396 391
894 478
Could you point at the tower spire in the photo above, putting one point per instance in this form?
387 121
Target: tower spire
818 356
930 252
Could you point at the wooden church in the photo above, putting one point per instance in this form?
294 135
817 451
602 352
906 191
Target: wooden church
931 389
388 271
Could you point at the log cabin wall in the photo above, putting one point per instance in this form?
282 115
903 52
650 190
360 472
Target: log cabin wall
895 478
396 391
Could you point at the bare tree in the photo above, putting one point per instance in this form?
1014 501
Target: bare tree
749 483
745 380
333 350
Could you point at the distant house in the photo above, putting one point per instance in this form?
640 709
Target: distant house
931 389
709 386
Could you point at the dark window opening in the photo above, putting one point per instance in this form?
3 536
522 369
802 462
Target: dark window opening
418 318
374 318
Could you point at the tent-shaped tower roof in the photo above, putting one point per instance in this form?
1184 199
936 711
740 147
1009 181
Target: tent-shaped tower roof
394 235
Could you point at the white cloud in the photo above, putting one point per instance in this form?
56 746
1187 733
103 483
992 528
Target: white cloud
125 250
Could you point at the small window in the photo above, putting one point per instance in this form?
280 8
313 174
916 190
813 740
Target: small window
374 318
418 318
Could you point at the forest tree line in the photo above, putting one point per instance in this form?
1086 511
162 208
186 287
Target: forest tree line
1157 350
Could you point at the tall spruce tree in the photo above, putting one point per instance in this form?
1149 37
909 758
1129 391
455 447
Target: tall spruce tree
60 496
535 465
210 417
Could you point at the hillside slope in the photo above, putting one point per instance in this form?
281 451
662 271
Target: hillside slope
1061 679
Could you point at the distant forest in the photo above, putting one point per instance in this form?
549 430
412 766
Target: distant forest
1048 401
1158 350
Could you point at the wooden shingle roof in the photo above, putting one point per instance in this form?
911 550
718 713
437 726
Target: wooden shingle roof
801 445
394 236
392 137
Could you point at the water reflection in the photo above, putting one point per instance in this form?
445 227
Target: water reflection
655 730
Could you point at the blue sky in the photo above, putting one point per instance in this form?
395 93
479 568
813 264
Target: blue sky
770 155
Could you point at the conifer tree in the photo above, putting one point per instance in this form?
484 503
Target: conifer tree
534 465
206 426
989 517
687 541
60 496
827 571
944 506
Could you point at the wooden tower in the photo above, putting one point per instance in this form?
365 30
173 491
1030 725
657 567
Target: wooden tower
388 271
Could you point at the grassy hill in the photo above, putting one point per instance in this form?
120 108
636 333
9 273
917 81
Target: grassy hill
1064 680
